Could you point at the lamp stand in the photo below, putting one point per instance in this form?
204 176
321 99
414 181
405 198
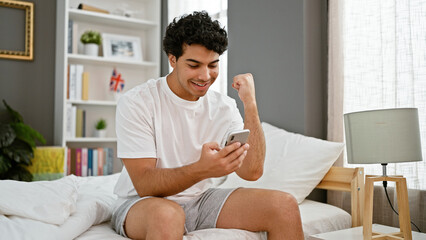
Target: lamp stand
403 209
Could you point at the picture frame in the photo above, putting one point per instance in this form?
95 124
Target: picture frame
121 47
23 52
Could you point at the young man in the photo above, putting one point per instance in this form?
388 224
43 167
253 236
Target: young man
171 133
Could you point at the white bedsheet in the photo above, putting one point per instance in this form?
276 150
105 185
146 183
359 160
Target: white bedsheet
93 212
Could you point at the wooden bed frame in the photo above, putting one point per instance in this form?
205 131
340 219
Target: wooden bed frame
347 180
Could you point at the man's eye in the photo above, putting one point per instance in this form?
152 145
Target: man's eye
213 66
192 66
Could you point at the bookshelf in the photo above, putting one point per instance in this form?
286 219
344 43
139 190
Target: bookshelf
144 23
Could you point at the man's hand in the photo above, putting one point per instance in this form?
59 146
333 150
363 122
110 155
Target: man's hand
218 162
244 84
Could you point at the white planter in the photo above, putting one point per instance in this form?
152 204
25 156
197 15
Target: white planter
100 133
91 49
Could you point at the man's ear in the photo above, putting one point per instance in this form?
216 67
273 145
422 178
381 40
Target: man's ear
172 60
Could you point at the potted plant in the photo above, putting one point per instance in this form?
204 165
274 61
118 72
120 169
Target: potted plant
17 143
91 40
100 128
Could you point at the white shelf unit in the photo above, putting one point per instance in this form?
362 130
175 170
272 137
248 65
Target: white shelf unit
144 23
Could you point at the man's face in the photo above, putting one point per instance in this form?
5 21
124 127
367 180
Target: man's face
194 72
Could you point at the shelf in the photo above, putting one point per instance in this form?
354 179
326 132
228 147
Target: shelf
84 59
110 20
92 139
93 102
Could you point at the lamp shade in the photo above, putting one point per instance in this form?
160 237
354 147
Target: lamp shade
383 136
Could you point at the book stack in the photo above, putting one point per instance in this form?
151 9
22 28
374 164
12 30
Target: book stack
76 121
90 161
77 83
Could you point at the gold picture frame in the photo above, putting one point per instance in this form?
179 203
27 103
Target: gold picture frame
27 54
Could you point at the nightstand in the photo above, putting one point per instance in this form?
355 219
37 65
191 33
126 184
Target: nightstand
356 233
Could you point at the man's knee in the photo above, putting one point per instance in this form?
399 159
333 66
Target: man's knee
147 218
169 214
284 203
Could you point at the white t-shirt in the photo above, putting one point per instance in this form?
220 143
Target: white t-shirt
153 122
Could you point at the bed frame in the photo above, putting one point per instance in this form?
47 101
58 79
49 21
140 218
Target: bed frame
347 180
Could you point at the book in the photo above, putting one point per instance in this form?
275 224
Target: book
47 163
73 82
105 169
79 123
70 34
79 81
84 156
91 8
95 162
69 121
73 161
73 121
83 130
109 160
68 161
101 161
85 86
78 159
89 162
68 81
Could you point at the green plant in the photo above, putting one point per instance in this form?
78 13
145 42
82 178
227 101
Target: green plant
17 143
101 124
91 37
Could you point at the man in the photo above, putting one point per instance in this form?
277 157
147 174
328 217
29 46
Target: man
171 134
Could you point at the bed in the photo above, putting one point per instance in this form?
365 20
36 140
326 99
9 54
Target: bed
80 207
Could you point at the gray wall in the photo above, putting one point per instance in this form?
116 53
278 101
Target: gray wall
283 44
28 86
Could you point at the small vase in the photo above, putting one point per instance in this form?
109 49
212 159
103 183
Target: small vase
91 49
100 133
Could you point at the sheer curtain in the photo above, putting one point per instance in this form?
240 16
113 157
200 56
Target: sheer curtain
217 9
377 59
385 66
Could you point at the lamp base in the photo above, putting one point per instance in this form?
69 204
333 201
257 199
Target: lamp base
403 209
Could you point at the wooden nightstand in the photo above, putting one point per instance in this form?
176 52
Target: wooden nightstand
356 233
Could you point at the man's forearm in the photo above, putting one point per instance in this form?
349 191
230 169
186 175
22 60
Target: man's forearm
252 168
162 182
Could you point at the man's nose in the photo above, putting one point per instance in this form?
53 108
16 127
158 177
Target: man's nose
204 74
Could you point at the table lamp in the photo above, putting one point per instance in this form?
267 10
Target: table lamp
381 137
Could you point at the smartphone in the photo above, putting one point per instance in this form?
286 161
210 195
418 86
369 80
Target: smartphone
238 136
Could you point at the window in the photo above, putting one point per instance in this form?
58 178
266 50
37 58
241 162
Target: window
384 59
218 11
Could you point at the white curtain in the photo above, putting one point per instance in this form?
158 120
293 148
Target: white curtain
384 58
217 9
377 59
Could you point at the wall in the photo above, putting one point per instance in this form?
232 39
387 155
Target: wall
28 86
283 44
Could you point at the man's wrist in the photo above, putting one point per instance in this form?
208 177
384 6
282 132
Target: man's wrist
250 105
197 173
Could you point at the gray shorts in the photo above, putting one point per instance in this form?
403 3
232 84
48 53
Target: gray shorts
200 213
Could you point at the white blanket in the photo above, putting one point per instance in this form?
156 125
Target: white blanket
94 204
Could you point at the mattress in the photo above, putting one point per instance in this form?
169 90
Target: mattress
316 218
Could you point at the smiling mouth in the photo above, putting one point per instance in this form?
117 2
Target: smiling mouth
200 85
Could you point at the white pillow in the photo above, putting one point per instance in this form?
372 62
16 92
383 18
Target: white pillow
294 163
47 201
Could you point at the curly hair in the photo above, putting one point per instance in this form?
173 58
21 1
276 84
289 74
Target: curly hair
195 28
